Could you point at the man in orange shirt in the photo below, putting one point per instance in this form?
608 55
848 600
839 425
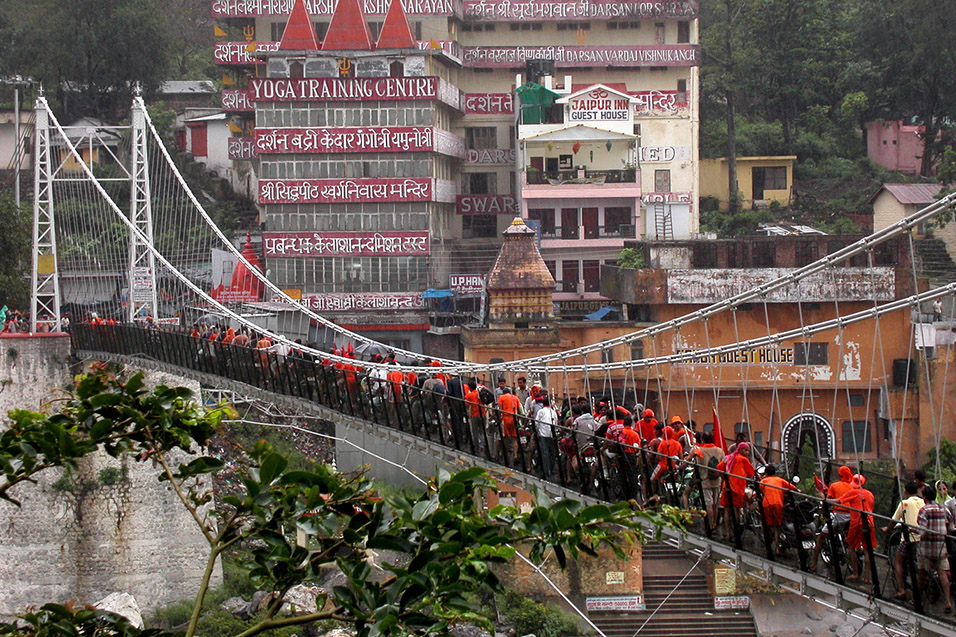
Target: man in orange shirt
839 516
509 407
739 470
774 490
856 497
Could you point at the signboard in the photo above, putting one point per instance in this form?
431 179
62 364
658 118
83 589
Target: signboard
731 603
236 100
569 56
486 205
490 156
344 244
725 580
362 302
266 8
158 320
239 53
521 10
451 48
599 105
489 104
665 197
614 577
142 278
235 296
759 356
659 101
665 153
325 89
579 308
618 603
467 285
275 191
335 139
242 148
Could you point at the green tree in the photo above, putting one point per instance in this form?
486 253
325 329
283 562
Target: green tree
89 54
449 540
910 45
15 241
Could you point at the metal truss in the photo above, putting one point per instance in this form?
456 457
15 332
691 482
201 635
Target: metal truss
44 282
142 264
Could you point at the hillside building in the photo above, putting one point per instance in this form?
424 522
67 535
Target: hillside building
433 105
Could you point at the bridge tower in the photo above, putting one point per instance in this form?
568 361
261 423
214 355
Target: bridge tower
142 264
44 283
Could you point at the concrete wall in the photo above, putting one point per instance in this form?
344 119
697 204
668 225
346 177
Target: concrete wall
107 526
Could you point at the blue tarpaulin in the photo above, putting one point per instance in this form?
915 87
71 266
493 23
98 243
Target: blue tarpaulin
599 314
432 293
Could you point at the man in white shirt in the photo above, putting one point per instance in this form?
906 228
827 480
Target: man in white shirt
545 421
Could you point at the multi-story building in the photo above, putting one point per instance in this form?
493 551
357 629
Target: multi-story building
612 156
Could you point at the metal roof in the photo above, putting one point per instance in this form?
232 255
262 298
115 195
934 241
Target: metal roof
915 194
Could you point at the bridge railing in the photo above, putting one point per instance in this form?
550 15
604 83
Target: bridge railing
579 460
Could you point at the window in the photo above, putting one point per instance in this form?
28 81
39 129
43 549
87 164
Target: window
545 217
659 32
552 268
607 355
569 277
376 30
764 254
662 181
805 253
681 91
617 221
704 255
736 255
468 26
775 178
683 32
810 354
858 260
296 69
479 226
526 26
592 276
574 26
482 183
482 137
856 400
885 253
396 69
856 436
637 350
625 25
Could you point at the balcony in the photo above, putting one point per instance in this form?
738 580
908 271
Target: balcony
616 231
585 176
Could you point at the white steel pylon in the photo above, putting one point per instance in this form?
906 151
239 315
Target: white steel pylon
44 283
142 263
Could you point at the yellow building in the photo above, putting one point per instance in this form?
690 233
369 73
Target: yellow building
760 180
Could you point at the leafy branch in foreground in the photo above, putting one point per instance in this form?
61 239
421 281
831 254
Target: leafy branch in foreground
445 544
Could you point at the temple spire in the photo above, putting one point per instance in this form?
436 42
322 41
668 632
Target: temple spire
396 34
299 34
348 30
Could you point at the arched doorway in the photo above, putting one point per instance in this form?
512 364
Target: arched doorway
804 428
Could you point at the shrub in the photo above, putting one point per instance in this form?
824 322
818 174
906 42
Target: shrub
529 616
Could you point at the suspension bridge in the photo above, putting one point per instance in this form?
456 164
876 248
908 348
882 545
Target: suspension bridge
134 224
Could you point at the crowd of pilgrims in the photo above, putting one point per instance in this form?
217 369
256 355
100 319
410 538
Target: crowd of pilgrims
604 448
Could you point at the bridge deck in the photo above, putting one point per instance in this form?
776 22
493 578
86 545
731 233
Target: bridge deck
415 426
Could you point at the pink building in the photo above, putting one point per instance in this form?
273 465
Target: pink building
895 146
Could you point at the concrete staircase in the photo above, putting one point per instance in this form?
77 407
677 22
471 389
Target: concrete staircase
688 612
934 261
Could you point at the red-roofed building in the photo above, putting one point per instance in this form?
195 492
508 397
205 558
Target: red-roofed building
299 33
348 29
396 34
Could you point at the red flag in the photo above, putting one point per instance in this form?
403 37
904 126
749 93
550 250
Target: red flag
350 350
718 434
819 484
